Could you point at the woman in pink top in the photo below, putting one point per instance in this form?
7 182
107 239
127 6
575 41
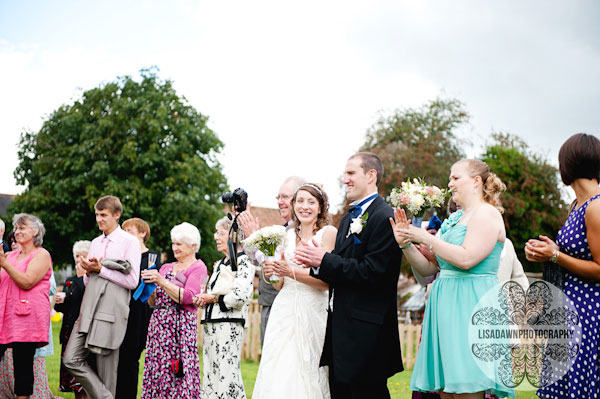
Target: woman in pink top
24 303
172 334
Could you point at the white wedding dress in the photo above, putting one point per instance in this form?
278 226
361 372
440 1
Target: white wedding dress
289 366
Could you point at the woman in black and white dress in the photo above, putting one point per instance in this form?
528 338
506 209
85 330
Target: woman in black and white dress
224 320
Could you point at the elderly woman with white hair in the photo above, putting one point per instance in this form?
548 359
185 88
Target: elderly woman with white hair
172 365
224 320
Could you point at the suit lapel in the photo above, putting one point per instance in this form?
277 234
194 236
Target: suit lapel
347 241
341 238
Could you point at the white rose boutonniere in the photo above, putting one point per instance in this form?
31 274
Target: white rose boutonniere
358 224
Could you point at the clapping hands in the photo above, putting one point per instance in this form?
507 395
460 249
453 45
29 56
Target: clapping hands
404 232
91 265
540 250
309 254
248 222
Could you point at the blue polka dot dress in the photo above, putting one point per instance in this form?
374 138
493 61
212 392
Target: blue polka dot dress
583 378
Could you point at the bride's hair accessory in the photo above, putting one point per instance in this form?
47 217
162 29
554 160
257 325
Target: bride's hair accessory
321 196
300 187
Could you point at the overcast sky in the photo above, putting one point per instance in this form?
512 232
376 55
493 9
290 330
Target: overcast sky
292 87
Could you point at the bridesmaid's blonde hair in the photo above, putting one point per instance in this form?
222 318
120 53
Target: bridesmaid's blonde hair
492 185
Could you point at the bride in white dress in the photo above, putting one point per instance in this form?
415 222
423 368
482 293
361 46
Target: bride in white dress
289 366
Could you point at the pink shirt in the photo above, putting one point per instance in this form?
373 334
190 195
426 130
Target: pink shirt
118 245
24 314
195 275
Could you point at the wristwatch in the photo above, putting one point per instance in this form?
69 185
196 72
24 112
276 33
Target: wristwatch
554 257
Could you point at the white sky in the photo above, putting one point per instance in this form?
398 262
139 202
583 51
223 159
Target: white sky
292 87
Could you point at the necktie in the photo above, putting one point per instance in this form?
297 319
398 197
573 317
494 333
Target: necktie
356 210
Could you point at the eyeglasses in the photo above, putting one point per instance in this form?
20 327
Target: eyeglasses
284 197
221 233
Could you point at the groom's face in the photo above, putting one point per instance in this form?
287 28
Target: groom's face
356 180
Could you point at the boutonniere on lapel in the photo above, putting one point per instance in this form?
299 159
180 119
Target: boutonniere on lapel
357 225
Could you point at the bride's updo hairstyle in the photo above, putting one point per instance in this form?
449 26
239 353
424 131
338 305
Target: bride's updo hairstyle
492 185
323 217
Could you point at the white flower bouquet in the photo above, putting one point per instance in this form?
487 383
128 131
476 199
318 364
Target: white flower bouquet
417 197
267 244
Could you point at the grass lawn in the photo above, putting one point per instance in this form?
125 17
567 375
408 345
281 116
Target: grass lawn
398 384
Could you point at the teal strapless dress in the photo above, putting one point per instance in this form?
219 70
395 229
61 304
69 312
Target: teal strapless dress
445 360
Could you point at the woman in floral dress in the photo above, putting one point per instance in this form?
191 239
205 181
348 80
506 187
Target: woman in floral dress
172 334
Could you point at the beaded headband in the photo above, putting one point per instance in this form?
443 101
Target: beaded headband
300 187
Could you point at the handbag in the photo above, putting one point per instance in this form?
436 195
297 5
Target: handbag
177 364
223 285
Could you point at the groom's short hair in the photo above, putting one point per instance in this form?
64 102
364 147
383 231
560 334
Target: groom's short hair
369 161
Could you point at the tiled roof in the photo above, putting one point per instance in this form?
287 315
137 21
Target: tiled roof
266 216
270 216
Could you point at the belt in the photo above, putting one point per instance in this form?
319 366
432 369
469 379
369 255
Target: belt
463 274
163 307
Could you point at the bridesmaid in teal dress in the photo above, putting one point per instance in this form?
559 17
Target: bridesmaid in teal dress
468 254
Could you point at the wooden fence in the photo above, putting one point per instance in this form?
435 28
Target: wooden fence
410 336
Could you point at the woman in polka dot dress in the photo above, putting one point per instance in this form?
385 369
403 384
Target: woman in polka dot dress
577 251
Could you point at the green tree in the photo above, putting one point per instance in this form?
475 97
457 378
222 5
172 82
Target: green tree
418 142
139 141
533 201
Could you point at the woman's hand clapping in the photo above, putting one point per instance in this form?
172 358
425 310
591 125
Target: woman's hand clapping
404 232
540 250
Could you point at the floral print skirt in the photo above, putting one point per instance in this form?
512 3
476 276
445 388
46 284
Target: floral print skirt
41 390
167 342
222 350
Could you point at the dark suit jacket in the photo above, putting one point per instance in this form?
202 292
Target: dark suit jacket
362 342
139 314
74 289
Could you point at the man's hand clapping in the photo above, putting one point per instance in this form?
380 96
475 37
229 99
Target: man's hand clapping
91 265
248 222
308 255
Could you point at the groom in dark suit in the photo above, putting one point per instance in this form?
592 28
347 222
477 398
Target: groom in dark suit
362 345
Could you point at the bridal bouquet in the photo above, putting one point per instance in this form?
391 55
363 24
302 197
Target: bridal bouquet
417 197
267 244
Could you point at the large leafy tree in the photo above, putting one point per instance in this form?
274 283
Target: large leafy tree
533 201
418 142
137 140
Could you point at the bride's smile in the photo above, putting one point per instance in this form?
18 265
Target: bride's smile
306 207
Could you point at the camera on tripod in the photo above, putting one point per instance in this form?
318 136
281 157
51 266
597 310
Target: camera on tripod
239 199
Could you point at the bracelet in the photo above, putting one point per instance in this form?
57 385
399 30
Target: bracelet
406 246
263 277
554 257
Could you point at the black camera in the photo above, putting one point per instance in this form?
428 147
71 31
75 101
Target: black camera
239 199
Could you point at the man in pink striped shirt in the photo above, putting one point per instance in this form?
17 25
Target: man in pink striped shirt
117 245
113 243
